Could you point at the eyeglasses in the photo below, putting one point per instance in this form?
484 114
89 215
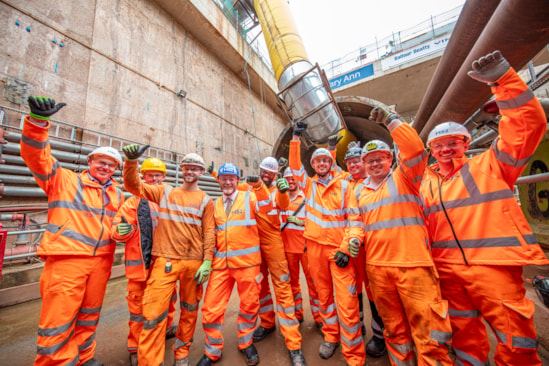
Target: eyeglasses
450 145
376 161
322 160
194 169
105 164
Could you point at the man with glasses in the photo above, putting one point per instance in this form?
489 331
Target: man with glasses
480 236
76 245
182 251
399 267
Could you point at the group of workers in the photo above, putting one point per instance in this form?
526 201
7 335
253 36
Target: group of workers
437 248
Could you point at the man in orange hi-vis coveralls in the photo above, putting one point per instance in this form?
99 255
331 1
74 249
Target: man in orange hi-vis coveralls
480 237
400 271
293 226
134 225
328 198
237 259
182 251
76 245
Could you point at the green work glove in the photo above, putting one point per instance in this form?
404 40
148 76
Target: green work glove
488 69
133 151
42 108
341 259
294 220
382 115
203 272
124 228
354 245
282 185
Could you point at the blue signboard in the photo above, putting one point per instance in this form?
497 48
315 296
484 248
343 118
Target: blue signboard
352 76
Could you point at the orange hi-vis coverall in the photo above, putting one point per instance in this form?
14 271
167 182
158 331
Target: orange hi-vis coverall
184 237
78 250
296 252
237 259
143 216
481 239
400 270
326 219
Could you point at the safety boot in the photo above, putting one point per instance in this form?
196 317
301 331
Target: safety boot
92 362
260 333
133 359
297 357
183 362
251 355
205 361
376 347
171 331
327 349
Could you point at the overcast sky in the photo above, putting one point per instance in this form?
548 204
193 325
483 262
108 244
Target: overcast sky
331 29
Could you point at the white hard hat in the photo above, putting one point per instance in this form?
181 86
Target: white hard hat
376 145
321 152
288 173
269 164
448 129
193 159
109 152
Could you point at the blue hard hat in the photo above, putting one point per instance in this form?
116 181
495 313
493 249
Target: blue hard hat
228 169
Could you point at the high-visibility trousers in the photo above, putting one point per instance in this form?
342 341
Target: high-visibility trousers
218 292
293 263
136 291
158 293
413 311
497 294
327 275
273 261
72 290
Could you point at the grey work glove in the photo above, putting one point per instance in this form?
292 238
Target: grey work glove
354 247
282 163
254 181
282 185
341 259
382 115
133 151
299 127
488 69
210 168
42 108
333 140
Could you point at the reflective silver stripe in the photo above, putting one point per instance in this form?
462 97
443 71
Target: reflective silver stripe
525 342
391 185
50 332
87 323
244 326
90 310
212 350
175 218
212 340
285 277
391 200
403 348
35 143
68 233
237 253
136 318
330 308
245 339
392 223
393 124
530 239
299 306
464 313
417 160
352 210
351 342
417 179
265 299
462 356
133 262
509 241
352 330
351 289
248 317
174 297
273 212
297 296
264 202
506 158
331 320
266 309
325 224
293 226
441 337
314 309
151 324
87 344
356 224
471 201
132 349
56 347
287 311
287 322
45 177
188 307
236 223
517 101
74 361
179 343
398 362
216 326
79 206
324 211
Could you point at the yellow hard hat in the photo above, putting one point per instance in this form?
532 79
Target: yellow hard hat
153 164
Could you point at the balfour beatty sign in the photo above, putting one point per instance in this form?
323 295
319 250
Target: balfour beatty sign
352 76
411 54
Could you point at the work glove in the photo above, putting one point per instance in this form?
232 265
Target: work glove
299 127
488 69
294 220
210 168
333 140
42 108
282 163
254 181
282 185
203 272
354 245
124 228
342 259
382 115
133 151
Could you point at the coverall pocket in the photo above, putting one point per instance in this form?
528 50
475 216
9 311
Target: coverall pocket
519 312
61 229
148 296
439 328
